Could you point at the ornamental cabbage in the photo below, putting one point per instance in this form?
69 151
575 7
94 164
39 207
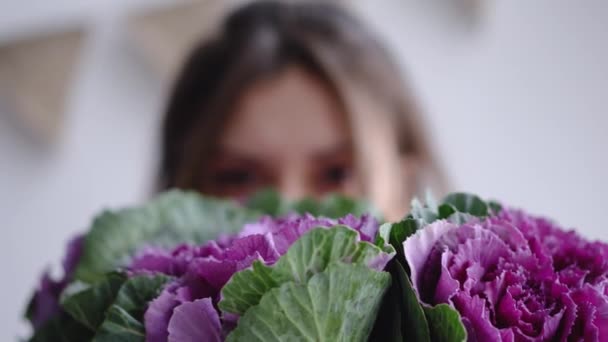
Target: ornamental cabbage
513 277
202 272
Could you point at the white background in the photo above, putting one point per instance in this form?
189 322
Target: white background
516 105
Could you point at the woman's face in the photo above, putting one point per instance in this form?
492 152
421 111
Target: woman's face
290 133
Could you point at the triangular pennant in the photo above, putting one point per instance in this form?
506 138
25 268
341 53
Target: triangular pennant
165 35
35 76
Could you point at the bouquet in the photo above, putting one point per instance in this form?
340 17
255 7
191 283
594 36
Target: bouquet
189 268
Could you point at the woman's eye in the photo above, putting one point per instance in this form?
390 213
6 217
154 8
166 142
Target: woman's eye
232 178
233 182
335 176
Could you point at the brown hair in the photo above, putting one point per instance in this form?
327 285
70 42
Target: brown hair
259 40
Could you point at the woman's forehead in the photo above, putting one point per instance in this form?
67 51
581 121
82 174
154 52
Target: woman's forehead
291 113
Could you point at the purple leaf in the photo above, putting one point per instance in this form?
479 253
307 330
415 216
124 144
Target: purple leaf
194 322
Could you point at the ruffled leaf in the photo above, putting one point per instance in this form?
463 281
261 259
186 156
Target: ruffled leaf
124 318
138 291
113 307
120 326
417 247
309 255
338 304
172 218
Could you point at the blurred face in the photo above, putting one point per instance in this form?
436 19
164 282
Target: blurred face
289 133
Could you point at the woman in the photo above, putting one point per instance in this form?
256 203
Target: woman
299 97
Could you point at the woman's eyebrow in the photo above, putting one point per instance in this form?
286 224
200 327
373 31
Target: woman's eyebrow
232 156
330 153
230 152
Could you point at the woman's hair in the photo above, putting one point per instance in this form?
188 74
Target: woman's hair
259 41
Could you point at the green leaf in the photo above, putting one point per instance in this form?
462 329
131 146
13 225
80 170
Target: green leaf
124 319
336 206
423 213
171 218
62 328
445 324
401 314
460 218
303 206
388 322
414 324
309 255
494 206
339 304
396 233
30 308
430 200
138 291
246 287
467 203
114 306
88 306
446 210
266 201
269 202
120 326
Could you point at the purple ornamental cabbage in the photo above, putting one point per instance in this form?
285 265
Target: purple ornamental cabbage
45 303
186 309
514 277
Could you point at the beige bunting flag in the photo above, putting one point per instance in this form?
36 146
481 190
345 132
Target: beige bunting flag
166 34
35 77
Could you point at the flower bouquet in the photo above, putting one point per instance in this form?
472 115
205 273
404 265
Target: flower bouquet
188 268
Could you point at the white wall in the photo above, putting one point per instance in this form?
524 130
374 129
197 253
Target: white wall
516 106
